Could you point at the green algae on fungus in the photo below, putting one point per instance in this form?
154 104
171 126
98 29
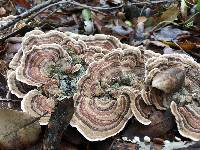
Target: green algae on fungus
102 104
33 70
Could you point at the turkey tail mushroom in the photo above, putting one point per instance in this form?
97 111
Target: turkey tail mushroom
37 105
187 119
37 65
103 96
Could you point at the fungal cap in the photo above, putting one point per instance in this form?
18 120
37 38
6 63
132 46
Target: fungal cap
37 105
187 119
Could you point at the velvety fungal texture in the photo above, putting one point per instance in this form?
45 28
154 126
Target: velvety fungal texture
104 95
109 82
177 77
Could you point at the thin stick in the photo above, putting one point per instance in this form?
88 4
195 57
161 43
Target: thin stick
28 13
42 7
45 8
151 2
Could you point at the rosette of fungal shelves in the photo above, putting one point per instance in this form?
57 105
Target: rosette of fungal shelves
176 77
110 82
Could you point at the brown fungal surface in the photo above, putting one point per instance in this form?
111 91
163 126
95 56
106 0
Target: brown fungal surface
37 37
15 62
37 65
109 81
104 95
141 110
79 50
187 119
99 40
37 105
176 76
16 87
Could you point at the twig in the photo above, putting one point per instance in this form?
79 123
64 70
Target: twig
49 15
188 20
26 27
95 9
45 8
58 122
9 100
163 22
28 13
151 2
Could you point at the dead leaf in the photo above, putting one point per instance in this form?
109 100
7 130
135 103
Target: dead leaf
17 129
162 122
119 145
169 33
2 11
170 14
23 3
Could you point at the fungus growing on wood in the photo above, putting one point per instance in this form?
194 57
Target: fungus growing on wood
81 52
140 110
39 64
37 105
175 75
187 119
37 37
15 62
16 87
38 61
99 40
94 47
103 96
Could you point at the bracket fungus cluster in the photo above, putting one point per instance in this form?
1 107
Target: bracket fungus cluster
110 82
104 95
34 66
177 78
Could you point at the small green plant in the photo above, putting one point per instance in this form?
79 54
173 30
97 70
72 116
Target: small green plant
198 5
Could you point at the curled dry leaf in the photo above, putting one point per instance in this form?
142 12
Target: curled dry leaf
161 123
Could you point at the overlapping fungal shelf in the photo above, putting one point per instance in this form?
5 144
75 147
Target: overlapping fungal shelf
177 77
110 82
104 95
38 105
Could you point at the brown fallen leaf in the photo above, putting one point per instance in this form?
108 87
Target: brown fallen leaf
162 122
23 3
170 14
2 11
119 145
17 129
